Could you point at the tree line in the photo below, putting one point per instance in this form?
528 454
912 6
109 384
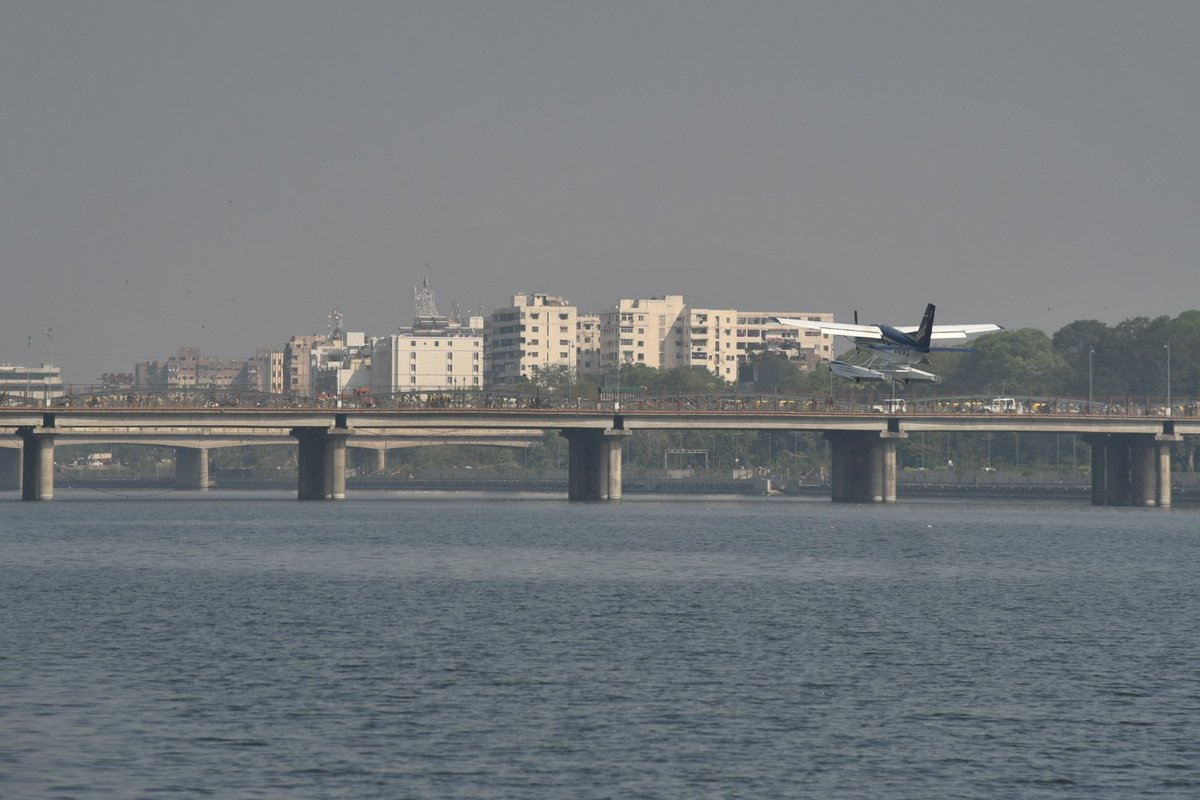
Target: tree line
1125 360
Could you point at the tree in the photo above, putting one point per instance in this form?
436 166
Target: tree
1079 344
1013 362
555 379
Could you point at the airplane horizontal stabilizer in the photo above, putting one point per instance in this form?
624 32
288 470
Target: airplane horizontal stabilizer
907 374
856 373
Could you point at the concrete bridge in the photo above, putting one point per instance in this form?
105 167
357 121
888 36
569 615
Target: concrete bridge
1130 453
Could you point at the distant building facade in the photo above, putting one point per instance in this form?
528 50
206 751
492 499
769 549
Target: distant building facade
665 332
757 331
587 345
534 332
41 384
189 368
432 355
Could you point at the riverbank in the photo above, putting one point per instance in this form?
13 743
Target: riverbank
994 485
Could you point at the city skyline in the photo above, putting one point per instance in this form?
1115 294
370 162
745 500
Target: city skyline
215 175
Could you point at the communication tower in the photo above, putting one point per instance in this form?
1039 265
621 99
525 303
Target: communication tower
423 299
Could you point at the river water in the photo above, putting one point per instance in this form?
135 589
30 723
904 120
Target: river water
474 646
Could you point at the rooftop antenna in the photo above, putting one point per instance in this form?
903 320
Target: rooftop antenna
335 324
423 299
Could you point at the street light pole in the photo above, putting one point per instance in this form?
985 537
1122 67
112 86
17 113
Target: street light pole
617 398
1091 352
1167 345
50 359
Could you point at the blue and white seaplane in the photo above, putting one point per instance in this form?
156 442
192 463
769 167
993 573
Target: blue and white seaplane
894 350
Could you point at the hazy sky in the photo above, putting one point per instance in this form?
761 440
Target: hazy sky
222 174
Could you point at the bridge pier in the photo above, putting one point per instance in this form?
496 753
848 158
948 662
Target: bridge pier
863 466
321 463
37 468
191 468
594 463
10 469
1130 469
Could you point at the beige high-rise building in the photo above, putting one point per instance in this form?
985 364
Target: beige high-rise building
535 332
807 349
664 332
638 330
297 364
705 337
587 345
264 372
433 355
189 368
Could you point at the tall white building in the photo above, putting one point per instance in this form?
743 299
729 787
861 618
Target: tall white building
640 331
535 332
433 355
807 349
705 337
665 332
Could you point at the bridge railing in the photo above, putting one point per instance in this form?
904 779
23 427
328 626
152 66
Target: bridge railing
127 397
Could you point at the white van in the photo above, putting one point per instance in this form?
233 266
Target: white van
891 405
1005 405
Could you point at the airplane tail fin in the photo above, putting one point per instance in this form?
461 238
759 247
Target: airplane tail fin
926 329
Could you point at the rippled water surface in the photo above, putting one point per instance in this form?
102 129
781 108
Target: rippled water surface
497 646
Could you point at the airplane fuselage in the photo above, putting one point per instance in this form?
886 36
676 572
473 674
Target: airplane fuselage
896 346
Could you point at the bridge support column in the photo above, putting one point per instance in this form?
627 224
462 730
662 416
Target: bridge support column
594 463
1162 446
889 470
1145 474
1131 469
1119 486
381 460
191 468
321 463
10 468
837 471
863 466
613 474
37 468
1099 446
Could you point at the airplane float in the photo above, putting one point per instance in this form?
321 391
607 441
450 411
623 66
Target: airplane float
894 349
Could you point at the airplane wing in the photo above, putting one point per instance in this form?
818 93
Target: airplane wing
834 328
944 332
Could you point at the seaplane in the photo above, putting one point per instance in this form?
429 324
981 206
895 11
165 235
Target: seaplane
895 350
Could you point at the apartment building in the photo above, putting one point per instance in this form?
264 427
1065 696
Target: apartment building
297 363
433 355
264 371
189 368
341 365
534 332
758 331
40 384
637 330
705 337
587 345
665 332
